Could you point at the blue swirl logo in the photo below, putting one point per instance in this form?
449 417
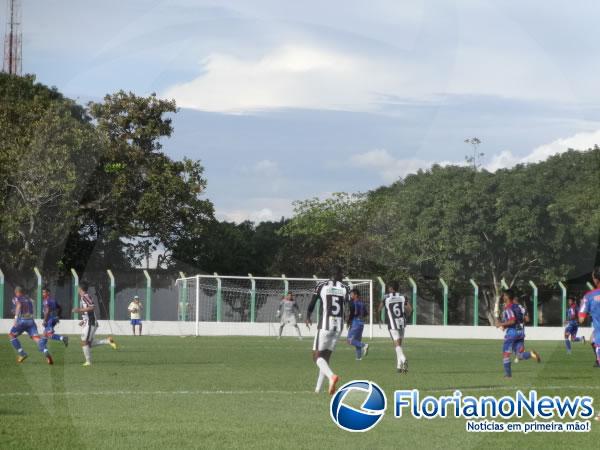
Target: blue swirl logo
358 419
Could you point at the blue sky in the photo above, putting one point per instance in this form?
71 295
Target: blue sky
288 100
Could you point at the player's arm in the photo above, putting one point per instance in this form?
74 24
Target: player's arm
89 307
510 320
46 314
408 309
583 311
379 309
311 308
17 312
351 313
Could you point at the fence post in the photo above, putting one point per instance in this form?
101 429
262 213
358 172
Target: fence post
197 318
111 290
286 284
219 296
38 292
183 298
535 303
414 299
475 302
445 286
1 294
148 295
371 309
75 284
317 306
252 299
590 286
382 285
563 290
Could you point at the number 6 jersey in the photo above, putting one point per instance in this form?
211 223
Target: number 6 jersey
394 310
333 295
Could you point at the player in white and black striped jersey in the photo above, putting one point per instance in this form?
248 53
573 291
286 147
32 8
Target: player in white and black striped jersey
397 309
89 325
333 294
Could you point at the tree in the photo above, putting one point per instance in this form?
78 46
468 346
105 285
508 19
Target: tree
48 147
138 199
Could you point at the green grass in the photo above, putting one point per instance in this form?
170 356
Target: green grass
237 392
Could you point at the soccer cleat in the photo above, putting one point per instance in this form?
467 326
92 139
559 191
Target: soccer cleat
535 355
516 361
405 367
49 359
86 364
112 343
21 358
66 341
365 350
332 382
359 359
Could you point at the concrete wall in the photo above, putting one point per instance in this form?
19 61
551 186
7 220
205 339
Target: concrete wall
163 328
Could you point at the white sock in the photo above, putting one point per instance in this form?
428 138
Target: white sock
400 355
87 353
320 379
97 342
325 369
298 331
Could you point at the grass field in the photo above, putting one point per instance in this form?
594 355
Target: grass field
234 392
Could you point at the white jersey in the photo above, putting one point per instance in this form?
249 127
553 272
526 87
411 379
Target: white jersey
333 295
394 310
89 318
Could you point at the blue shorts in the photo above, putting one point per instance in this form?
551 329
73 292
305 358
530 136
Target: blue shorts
356 331
571 329
136 321
514 341
24 326
49 328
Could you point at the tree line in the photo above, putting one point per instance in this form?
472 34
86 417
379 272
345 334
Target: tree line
90 186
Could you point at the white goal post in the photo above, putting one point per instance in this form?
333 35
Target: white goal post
232 301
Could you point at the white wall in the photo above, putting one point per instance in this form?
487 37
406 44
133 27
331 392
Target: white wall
122 327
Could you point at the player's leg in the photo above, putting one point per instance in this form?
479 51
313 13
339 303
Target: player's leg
354 340
87 335
507 348
576 338
13 336
315 356
322 350
140 326
519 347
568 338
106 341
133 326
281 325
41 343
53 335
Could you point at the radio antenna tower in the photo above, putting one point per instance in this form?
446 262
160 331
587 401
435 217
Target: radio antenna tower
13 39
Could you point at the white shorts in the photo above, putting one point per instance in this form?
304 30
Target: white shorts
88 332
397 334
289 318
326 340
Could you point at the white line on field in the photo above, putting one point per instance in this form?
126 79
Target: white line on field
276 392
107 393
511 388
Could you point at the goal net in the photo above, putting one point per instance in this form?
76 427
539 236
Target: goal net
231 305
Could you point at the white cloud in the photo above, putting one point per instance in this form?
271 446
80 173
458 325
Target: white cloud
258 210
389 167
298 76
579 141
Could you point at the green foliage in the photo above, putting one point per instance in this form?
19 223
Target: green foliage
91 186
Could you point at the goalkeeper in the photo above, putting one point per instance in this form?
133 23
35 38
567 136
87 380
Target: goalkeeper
288 308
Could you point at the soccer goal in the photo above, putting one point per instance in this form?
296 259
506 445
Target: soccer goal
233 305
